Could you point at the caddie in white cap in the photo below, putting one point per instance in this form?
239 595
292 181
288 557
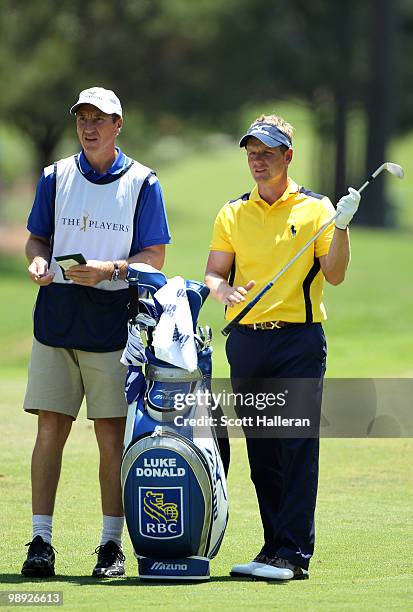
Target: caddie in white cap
94 213
104 99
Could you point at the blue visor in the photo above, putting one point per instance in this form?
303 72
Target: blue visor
269 134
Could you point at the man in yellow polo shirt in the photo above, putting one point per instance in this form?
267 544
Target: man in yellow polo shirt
254 236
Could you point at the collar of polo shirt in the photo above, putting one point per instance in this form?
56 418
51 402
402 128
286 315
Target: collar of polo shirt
292 187
116 168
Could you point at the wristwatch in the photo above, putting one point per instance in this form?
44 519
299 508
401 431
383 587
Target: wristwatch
116 271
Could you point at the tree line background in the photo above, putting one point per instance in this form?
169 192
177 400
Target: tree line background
181 65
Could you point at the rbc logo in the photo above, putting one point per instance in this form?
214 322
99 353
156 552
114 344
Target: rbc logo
160 512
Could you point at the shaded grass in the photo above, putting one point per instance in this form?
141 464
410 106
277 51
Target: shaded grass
369 331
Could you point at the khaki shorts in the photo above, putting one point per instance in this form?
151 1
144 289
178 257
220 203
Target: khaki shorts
59 378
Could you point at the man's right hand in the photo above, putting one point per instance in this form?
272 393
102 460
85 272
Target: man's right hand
229 296
39 272
217 271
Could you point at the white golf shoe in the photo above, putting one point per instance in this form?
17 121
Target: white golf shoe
279 569
246 569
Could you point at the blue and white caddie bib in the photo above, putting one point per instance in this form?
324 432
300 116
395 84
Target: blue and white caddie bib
96 220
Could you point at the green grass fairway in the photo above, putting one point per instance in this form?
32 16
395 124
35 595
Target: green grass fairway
363 553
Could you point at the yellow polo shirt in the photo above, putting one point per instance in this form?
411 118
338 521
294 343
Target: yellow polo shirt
264 238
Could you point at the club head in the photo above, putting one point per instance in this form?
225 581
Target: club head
394 169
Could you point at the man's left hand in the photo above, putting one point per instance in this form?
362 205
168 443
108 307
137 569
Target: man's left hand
347 207
91 273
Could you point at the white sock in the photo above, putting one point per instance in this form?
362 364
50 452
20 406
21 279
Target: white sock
112 529
42 526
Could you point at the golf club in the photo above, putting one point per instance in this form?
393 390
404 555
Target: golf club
389 166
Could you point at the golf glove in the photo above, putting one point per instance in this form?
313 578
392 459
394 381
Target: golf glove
347 207
134 353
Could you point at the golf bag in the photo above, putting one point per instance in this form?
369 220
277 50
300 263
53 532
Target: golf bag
173 479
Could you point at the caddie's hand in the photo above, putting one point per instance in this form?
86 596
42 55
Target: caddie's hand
39 272
91 273
230 296
347 207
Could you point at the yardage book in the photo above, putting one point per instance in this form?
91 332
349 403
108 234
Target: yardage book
67 261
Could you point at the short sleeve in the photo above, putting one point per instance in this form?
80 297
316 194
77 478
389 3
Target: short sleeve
151 226
322 244
221 234
41 218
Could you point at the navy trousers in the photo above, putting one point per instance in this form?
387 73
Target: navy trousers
284 470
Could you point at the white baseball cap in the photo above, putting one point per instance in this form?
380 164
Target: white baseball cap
104 99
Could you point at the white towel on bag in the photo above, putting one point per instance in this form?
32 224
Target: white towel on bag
173 340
